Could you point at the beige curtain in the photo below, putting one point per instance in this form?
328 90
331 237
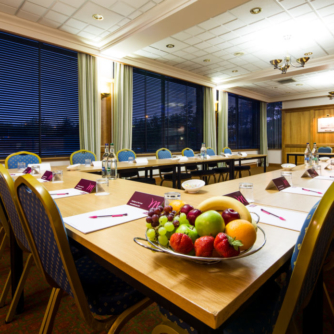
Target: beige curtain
209 119
89 104
263 130
222 121
122 108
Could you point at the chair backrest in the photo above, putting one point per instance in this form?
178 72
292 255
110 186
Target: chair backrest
163 153
325 149
23 156
313 244
123 155
4 219
48 240
188 152
9 201
210 151
79 157
227 150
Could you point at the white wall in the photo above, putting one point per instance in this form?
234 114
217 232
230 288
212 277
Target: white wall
275 156
315 101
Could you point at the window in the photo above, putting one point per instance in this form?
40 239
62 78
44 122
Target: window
243 122
166 113
274 125
39 98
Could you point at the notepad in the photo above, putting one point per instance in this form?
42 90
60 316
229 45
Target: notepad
300 191
70 192
329 178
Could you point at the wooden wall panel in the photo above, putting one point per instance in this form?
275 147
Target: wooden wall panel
106 121
300 127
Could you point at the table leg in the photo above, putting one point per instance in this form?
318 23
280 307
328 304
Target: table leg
146 173
174 177
231 165
296 159
179 177
264 164
16 264
151 173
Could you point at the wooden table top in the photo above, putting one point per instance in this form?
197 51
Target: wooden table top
210 293
302 153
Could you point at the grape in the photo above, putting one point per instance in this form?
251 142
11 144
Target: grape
157 211
163 240
161 208
169 227
173 212
155 218
162 231
170 217
151 212
176 218
149 220
183 219
168 209
176 223
148 225
151 234
163 220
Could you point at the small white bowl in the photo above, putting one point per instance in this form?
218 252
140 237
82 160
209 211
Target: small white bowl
324 159
288 166
193 186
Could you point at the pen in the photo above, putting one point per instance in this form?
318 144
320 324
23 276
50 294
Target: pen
59 194
120 215
269 213
312 191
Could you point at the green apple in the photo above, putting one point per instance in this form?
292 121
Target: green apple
209 223
189 230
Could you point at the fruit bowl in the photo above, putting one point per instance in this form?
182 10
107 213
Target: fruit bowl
193 186
288 166
156 247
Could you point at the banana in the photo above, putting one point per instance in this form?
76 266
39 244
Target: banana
221 203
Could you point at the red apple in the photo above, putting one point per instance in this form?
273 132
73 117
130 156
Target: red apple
181 243
229 215
204 246
186 208
192 215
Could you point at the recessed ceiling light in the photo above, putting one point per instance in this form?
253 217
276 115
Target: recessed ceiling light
170 46
237 54
308 53
207 60
256 10
234 71
98 17
299 84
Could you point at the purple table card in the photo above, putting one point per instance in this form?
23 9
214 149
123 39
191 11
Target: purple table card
239 197
280 183
86 185
310 172
27 170
47 176
145 201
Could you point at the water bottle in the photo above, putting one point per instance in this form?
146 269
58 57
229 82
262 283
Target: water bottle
105 161
315 155
113 169
203 151
308 156
111 156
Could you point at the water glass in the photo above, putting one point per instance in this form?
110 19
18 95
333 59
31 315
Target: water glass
318 169
247 191
57 176
88 162
35 169
130 160
171 196
288 176
102 187
21 166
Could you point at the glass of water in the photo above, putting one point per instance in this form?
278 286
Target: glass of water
21 166
102 187
171 196
57 176
88 162
318 169
247 191
130 160
288 176
35 169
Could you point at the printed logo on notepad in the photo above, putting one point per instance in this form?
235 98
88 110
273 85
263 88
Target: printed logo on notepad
280 183
85 185
145 201
239 197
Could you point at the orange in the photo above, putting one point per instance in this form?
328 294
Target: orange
242 230
177 204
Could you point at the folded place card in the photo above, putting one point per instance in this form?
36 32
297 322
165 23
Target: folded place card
73 167
328 167
42 166
86 185
47 176
279 183
243 154
97 164
145 201
27 170
141 161
239 197
310 173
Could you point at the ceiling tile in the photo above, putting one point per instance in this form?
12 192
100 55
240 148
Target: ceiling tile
105 3
54 16
74 3
178 45
219 30
193 40
322 3
86 35
49 23
28 16
212 58
122 9
212 49
12 3
63 9
7 9
148 6
136 3
205 35
228 36
157 52
200 53
195 30
124 22
158 1
69 29
300 10
327 10
190 49
287 4
203 45
234 24
135 14
33 8
93 30
181 36
220 53
114 28
217 21
105 34
224 45
278 18
76 24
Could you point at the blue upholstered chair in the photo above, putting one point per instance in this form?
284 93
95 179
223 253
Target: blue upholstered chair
193 169
166 173
214 166
238 169
94 289
272 311
325 149
79 157
23 156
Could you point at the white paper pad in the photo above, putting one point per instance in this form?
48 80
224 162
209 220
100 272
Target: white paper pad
43 166
294 219
41 180
183 159
298 190
325 178
86 225
16 174
71 192
72 167
97 164
141 161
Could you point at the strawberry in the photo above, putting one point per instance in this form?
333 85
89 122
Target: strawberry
181 243
204 246
227 246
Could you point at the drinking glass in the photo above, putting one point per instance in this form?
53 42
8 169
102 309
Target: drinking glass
130 160
332 164
57 176
288 176
21 166
247 190
171 196
35 169
88 162
102 187
318 169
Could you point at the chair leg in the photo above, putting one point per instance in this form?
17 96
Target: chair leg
5 290
249 172
51 311
328 305
4 243
123 318
19 289
214 178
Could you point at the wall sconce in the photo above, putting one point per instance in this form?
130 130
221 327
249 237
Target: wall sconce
103 95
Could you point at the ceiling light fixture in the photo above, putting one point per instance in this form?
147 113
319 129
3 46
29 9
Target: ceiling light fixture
237 54
284 65
256 10
207 60
170 46
234 71
331 95
98 17
308 53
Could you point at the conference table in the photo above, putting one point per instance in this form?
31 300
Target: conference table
205 296
301 154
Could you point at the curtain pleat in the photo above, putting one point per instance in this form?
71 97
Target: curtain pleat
89 104
222 121
263 130
209 119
